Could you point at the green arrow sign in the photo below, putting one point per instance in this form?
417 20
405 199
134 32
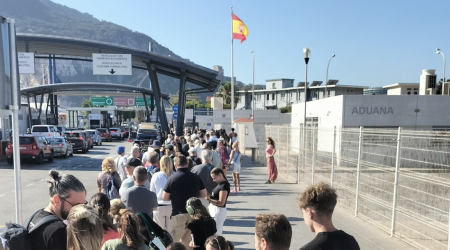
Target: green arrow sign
139 101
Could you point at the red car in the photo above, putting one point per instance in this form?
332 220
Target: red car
104 133
33 147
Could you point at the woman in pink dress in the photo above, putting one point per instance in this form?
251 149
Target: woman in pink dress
271 166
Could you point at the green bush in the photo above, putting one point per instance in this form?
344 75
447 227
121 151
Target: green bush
287 109
227 106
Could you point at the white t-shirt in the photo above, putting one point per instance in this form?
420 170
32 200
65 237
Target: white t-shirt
157 185
121 162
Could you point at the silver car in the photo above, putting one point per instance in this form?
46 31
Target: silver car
96 137
61 147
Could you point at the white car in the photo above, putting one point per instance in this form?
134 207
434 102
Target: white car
45 130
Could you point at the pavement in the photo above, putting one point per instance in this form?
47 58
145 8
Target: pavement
243 207
281 198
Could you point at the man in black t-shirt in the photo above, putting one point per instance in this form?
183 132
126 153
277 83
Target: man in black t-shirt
317 203
65 192
179 188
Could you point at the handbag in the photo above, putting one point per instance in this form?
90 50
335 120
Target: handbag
156 242
231 166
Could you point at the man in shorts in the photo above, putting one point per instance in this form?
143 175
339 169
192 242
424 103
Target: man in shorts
317 203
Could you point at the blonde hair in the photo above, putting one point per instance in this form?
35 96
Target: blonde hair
166 165
108 165
84 229
197 143
114 210
236 145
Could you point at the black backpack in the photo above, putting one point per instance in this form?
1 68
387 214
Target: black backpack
17 236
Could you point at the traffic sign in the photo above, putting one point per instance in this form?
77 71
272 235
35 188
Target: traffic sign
111 64
102 101
26 63
203 111
175 108
175 115
139 101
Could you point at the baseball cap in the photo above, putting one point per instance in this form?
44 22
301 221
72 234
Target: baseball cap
120 149
134 162
169 146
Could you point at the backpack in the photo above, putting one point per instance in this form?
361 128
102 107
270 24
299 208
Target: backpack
15 237
151 172
112 190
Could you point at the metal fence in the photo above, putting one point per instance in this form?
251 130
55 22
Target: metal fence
396 179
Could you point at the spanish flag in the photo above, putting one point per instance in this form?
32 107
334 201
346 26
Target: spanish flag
240 31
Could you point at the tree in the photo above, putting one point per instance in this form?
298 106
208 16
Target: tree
225 92
86 104
190 104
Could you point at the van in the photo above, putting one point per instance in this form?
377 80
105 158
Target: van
45 130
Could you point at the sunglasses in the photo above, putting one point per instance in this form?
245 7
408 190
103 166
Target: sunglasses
84 203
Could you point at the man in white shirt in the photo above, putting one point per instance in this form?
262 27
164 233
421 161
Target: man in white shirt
120 162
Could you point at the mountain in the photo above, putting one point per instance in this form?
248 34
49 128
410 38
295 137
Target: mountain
49 18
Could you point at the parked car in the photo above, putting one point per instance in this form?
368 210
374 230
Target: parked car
95 136
104 133
116 133
45 130
89 139
33 147
61 147
78 140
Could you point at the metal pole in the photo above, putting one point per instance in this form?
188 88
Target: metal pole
278 139
15 116
326 79
313 168
304 146
253 86
358 171
232 80
287 149
397 169
298 156
332 156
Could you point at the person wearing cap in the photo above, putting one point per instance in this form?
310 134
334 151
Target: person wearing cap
155 146
193 155
131 164
120 162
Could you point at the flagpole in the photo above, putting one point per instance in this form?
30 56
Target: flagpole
232 77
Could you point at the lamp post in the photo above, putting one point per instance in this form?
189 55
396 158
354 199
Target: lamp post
438 51
306 55
253 86
326 79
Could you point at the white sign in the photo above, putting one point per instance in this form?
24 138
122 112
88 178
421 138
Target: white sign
26 63
111 64
94 116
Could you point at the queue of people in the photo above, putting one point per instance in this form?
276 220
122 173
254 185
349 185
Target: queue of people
172 196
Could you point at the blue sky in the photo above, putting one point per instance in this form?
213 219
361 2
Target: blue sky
376 43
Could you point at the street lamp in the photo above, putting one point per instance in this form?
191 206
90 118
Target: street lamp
253 86
326 79
306 55
438 51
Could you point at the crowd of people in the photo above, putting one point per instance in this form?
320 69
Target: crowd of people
173 196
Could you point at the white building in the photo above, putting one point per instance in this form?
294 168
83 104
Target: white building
402 89
281 93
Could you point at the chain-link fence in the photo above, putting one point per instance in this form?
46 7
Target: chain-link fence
396 179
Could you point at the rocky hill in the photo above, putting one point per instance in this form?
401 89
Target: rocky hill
49 18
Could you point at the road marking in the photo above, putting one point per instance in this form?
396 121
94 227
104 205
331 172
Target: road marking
31 184
41 180
1 195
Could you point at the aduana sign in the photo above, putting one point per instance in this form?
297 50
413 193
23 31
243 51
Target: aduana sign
372 111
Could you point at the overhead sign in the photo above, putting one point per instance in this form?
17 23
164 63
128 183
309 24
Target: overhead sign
139 101
111 64
203 111
102 101
123 101
175 108
175 115
26 63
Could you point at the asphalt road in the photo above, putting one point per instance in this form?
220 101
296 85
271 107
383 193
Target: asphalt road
34 186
